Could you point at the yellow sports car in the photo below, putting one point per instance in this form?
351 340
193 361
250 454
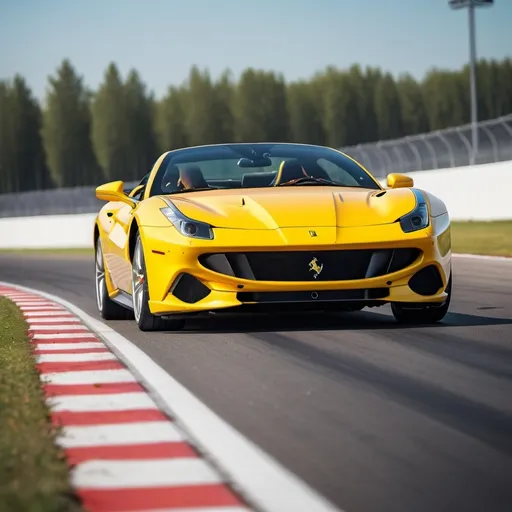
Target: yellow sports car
268 227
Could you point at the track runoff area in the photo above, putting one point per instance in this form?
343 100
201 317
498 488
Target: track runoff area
134 438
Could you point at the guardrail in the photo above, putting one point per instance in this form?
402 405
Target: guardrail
481 192
437 150
60 201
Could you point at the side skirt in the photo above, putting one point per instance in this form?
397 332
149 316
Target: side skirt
123 299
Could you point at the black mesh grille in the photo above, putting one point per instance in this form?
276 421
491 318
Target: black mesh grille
189 289
344 265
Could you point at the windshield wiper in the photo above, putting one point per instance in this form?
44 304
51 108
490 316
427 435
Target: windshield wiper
190 190
311 180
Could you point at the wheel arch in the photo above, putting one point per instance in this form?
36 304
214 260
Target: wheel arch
96 235
132 238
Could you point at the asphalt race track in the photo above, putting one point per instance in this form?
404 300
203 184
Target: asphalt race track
375 416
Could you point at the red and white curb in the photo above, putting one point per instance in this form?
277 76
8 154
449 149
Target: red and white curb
126 454
126 450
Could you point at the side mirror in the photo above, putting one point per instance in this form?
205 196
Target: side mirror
399 181
113 191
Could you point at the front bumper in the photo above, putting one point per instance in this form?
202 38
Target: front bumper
174 270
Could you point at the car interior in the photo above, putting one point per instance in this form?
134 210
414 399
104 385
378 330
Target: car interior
190 177
183 177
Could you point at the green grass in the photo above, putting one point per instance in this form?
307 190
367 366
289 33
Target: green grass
33 471
487 238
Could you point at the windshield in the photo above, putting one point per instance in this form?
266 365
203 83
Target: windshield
257 166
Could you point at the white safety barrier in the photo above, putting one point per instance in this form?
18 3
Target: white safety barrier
47 231
480 192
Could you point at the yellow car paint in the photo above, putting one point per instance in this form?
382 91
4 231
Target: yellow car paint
267 219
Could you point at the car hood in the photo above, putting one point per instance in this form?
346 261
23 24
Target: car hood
289 207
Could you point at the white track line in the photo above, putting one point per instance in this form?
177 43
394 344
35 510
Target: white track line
52 320
33 303
65 335
270 486
59 327
41 309
76 358
70 346
123 434
89 377
14 296
35 299
107 402
106 474
58 313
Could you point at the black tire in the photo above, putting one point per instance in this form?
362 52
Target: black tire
108 309
429 314
146 321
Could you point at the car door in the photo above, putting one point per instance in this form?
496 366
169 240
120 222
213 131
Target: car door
119 265
117 257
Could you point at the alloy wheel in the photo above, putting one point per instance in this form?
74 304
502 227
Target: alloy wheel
100 277
138 279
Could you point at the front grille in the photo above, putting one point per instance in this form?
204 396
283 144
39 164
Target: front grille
335 265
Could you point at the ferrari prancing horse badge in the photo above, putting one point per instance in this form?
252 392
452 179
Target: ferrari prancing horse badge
315 267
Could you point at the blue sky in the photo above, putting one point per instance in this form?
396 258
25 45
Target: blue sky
163 38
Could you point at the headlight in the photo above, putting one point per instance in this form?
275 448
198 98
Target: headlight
418 218
186 226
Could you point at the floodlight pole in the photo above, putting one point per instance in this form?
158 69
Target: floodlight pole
472 74
472 5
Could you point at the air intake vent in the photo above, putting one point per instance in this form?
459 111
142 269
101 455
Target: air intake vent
189 289
427 281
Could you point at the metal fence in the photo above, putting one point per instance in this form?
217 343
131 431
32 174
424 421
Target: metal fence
437 150
60 201
434 150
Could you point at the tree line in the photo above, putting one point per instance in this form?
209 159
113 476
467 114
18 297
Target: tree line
81 137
